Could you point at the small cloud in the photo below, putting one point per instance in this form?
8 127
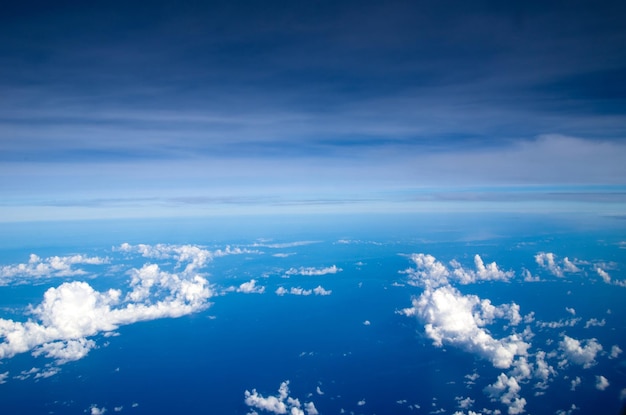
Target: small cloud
570 310
361 402
250 287
366 323
615 352
601 383
311 271
3 377
575 383
94 410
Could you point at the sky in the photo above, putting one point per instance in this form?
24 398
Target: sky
124 109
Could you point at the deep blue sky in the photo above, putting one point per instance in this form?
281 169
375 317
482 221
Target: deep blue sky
111 109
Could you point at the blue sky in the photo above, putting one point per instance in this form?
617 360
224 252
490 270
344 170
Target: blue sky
111 109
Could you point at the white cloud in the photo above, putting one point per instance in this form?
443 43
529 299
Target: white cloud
3 377
571 322
573 351
615 352
66 351
601 383
529 277
312 271
464 403
594 322
278 404
604 275
575 383
319 391
94 410
319 290
453 318
118 408
506 389
310 408
74 311
570 310
250 287
55 266
549 261
431 273
361 402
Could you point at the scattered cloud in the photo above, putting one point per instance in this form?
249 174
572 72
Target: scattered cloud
319 290
506 390
55 266
594 322
573 351
94 410
601 383
250 287
575 383
279 404
312 271
431 273
549 261
3 377
615 352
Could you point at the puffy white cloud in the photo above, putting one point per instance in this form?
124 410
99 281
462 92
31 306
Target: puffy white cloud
604 275
319 290
278 404
453 318
55 266
575 383
194 256
573 351
549 261
310 408
529 277
570 310
94 410
74 311
615 352
464 403
594 322
431 273
312 271
66 351
506 389
319 391
250 287
601 383
361 402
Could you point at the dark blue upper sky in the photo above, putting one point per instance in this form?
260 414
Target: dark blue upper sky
134 100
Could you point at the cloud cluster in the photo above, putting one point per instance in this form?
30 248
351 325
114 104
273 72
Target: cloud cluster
74 311
549 261
506 389
607 278
281 403
55 266
250 287
194 256
432 273
319 290
453 318
312 271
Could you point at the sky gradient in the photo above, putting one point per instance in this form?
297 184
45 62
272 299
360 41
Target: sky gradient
110 110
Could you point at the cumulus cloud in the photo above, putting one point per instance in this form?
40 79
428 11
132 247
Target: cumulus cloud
250 287
94 410
594 322
312 271
55 266
549 261
456 319
506 389
615 352
193 257
74 311
281 403
601 383
319 290
432 273
574 351
575 383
